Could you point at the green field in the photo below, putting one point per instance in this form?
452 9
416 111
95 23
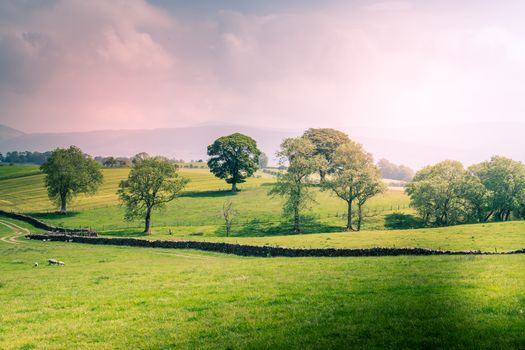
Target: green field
120 298
14 171
197 211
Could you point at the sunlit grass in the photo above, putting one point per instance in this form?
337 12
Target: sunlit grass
121 298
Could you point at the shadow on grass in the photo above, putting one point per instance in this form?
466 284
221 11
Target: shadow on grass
400 221
261 228
208 194
54 215
381 303
130 232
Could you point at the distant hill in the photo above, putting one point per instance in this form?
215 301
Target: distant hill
7 133
186 143
467 143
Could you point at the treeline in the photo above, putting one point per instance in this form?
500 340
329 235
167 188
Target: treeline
26 157
393 171
324 158
448 194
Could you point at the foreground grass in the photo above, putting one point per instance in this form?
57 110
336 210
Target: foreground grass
121 298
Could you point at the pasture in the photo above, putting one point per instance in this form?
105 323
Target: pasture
119 297
109 297
197 211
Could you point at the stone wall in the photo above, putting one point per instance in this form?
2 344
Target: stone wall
42 225
257 251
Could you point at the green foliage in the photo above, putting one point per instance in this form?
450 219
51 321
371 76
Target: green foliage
436 193
152 182
326 141
503 180
392 171
446 194
233 158
354 178
69 172
302 161
263 160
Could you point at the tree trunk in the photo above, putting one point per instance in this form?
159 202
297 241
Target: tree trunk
296 224
349 217
359 216
63 203
234 187
322 174
147 229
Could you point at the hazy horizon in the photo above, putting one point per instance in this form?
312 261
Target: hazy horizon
435 73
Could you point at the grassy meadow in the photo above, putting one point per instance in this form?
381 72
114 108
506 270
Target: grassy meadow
109 297
197 211
121 297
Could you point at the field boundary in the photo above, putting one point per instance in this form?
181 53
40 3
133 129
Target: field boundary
259 251
42 225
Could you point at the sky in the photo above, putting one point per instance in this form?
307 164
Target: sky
400 68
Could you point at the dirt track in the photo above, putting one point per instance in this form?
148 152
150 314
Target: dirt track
17 232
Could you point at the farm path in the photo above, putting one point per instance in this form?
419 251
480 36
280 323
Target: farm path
17 232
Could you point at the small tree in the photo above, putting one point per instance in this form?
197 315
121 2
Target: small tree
229 214
152 182
70 172
233 158
326 141
370 186
354 178
293 185
263 160
110 162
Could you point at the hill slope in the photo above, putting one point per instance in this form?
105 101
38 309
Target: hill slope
7 133
186 143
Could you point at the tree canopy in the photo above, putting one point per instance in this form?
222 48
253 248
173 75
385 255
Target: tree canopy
299 154
355 178
435 192
393 171
446 193
233 158
326 141
152 182
69 172
263 160
503 180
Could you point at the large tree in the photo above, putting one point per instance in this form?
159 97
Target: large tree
326 141
436 192
152 182
233 158
355 178
70 172
504 183
299 155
